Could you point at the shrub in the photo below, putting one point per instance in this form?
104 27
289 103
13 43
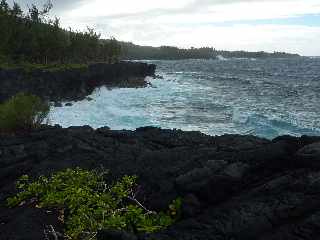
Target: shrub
22 112
88 204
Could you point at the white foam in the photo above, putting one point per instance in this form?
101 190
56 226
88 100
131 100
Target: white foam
191 99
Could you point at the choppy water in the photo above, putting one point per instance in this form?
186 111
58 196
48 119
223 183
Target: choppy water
246 96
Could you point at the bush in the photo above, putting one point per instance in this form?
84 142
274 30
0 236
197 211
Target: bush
87 203
22 112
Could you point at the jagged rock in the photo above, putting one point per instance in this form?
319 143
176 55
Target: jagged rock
103 130
216 165
195 179
158 77
57 104
232 187
73 84
236 170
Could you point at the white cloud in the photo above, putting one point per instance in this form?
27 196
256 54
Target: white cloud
217 10
300 39
269 37
105 8
196 23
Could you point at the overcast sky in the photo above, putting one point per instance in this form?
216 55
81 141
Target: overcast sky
268 25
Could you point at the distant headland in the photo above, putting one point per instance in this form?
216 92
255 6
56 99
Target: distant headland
133 51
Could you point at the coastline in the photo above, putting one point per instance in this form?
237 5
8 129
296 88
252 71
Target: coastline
230 148
72 83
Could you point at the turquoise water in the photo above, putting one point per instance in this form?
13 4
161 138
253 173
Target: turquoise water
266 98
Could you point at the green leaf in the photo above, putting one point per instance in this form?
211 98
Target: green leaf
91 203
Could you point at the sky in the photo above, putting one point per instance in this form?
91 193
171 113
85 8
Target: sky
252 25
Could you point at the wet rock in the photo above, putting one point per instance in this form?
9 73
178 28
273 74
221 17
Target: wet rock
57 104
158 77
103 130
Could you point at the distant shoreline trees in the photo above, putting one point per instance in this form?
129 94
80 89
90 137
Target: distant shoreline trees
34 37
132 51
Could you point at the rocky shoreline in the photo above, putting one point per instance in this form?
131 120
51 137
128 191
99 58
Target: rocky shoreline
232 187
74 83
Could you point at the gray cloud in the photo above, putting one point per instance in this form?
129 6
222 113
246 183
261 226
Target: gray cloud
196 5
58 5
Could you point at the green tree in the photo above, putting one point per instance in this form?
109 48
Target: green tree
36 38
4 6
16 11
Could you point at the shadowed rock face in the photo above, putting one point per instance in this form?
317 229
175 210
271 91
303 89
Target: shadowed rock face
73 84
232 187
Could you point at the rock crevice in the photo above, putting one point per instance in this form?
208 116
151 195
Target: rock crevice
232 187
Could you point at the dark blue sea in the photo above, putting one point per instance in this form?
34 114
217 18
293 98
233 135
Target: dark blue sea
263 97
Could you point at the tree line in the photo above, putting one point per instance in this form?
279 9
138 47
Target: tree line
132 51
36 38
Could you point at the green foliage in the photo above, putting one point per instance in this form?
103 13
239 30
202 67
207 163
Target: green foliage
90 204
53 67
34 37
22 112
29 67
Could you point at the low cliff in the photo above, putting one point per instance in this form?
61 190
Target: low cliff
232 187
72 83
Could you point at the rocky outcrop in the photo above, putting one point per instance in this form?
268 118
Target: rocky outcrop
73 83
232 187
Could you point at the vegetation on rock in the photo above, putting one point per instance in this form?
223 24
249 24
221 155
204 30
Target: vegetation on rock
88 204
22 112
31 67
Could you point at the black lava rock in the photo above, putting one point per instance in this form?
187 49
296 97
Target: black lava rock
232 187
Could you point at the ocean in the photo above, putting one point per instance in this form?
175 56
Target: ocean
262 97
